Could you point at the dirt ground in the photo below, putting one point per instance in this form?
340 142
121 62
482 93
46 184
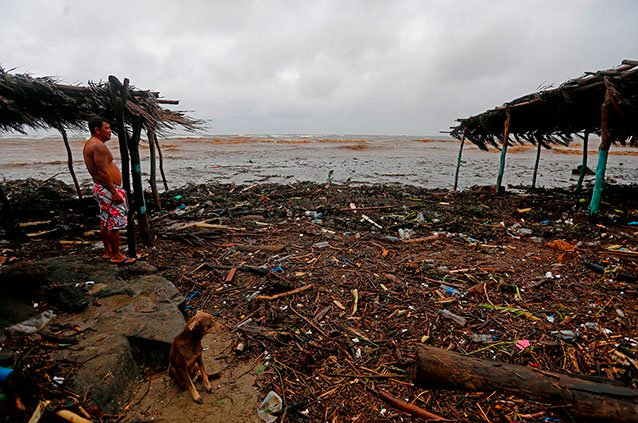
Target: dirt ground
519 268
233 397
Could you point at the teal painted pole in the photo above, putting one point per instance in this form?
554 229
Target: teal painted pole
583 168
538 159
603 151
458 161
506 136
600 182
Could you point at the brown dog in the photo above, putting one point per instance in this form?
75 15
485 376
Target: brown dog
185 361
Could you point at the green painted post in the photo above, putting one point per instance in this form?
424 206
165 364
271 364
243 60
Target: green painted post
583 168
600 182
458 161
603 151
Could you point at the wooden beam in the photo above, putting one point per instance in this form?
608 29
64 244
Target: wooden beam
119 95
150 133
506 135
539 144
583 168
69 155
591 401
458 160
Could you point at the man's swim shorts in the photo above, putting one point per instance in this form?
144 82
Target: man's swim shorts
112 215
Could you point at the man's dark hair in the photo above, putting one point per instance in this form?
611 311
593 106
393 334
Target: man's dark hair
96 122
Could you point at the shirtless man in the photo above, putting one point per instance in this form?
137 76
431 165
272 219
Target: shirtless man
107 191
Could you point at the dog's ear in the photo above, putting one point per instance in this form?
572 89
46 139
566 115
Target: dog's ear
193 324
195 320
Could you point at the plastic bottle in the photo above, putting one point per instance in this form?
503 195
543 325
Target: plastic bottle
461 321
4 373
566 335
272 403
451 291
480 338
32 325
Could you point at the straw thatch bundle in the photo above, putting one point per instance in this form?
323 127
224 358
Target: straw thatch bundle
554 115
40 103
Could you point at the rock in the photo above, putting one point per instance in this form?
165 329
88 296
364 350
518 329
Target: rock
588 171
68 298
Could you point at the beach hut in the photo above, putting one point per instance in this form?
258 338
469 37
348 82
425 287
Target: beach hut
44 103
604 103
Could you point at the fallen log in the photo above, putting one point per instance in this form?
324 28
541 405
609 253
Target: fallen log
591 401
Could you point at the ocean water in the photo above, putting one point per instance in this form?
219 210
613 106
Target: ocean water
422 161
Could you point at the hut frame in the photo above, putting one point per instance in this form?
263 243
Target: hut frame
604 103
43 103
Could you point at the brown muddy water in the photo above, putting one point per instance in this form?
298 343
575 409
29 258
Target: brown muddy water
356 159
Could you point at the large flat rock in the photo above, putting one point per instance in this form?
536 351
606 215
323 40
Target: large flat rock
128 326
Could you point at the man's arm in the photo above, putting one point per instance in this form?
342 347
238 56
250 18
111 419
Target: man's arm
101 160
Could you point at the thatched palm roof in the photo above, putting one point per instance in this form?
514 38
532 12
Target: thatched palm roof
554 115
40 103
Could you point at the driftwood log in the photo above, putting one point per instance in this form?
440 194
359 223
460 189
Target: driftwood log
590 401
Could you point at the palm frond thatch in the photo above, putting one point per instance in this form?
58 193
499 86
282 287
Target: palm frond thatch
554 115
42 102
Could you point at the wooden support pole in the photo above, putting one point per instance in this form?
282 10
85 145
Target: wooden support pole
150 133
69 155
458 160
506 135
161 161
138 188
119 94
583 167
590 401
539 144
603 151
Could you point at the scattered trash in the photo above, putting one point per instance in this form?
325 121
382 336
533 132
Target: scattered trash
451 291
4 373
461 321
367 219
404 234
620 313
481 338
31 326
322 244
523 344
592 325
566 335
271 404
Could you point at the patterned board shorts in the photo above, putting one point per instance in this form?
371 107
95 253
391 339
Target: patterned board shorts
112 216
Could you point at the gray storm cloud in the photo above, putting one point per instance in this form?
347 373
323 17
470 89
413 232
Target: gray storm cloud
373 67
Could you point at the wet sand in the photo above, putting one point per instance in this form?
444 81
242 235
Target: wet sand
424 162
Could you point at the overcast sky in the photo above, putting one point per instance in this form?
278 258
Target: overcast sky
329 67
